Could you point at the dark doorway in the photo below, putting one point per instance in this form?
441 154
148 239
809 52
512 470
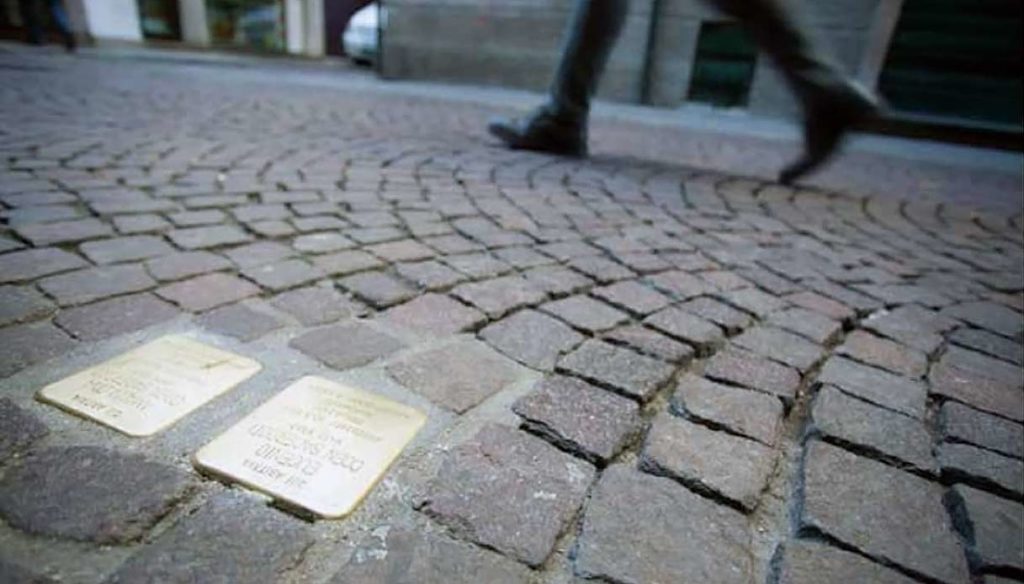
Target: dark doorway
159 19
723 68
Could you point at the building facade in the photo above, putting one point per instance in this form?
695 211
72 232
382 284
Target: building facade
953 60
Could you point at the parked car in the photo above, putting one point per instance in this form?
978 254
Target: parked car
360 39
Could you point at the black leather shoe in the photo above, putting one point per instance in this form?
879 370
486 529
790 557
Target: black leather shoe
541 132
825 126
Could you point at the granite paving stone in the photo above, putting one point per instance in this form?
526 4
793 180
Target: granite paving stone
257 254
254 544
19 429
981 365
674 534
680 285
993 527
391 555
881 512
125 249
585 313
976 391
115 316
694 330
379 289
652 343
184 264
457 376
983 468
40 234
22 303
579 417
742 411
808 562
880 387
725 316
779 345
96 283
429 275
346 262
808 324
207 291
87 493
873 350
754 301
822 305
347 345
621 369
633 296
31 264
322 242
191 238
284 274
731 467
856 424
739 367
498 296
239 321
532 338
989 315
315 305
509 491
556 280
960 423
990 344
433 314
28 344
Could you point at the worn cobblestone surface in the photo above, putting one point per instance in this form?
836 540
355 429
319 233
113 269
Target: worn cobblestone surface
634 370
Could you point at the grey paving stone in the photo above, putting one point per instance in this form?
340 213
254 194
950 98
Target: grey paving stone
906 294
30 264
990 344
556 280
858 301
963 424
433 314
733 468
740 367
284 274
881 512
982 468
405 250
754 301
209 236
28 344
184 264
22 303
346 345
779 345
239 321
725 316
601 269
315 305
346 262
194 218
652 343
680 285
989 315
429 275
822 305
585 313
12 573
271 228
254 544
697 332
532 338
675 535
876 386
980 365
807 562
749 413
808 324
40 234
579 417
509 491
370 235
116 316
499 296
379 289
522 257
247 213
322 242
883 353
478 265
19 429
96 283
125 249
391 555
40 214
633 296
625 371
977 391
88 493
851 422
993 527
258 253
919 328
207 291
458 376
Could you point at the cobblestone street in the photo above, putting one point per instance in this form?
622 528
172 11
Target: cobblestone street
634 369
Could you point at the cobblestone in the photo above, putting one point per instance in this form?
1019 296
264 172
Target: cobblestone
748 413
379 289
30 264
992 527
28 344
20 303
984 468
963 424
239 321
508 491
109 318
19 429
652 343
805 562
779 345
585 313
89 494
876 386
96 283
207 291
347 345
182 265
746 369
628 372
532 338
316 305
125 249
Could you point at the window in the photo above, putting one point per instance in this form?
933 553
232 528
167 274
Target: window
723 68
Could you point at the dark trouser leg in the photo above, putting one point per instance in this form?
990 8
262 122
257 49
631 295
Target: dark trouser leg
831 103
592 32
60 20
30 20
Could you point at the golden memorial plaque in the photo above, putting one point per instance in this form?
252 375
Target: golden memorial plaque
318 445
149 388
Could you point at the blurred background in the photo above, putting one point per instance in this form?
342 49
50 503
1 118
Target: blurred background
947 69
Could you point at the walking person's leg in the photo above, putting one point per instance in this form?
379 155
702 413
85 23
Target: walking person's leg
60 20
560 126
30 20
831 103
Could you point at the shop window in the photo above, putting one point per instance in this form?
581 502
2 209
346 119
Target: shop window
723 68
957 59
255 24
159 19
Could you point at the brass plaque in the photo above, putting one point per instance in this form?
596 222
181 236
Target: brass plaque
149 388
318 445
